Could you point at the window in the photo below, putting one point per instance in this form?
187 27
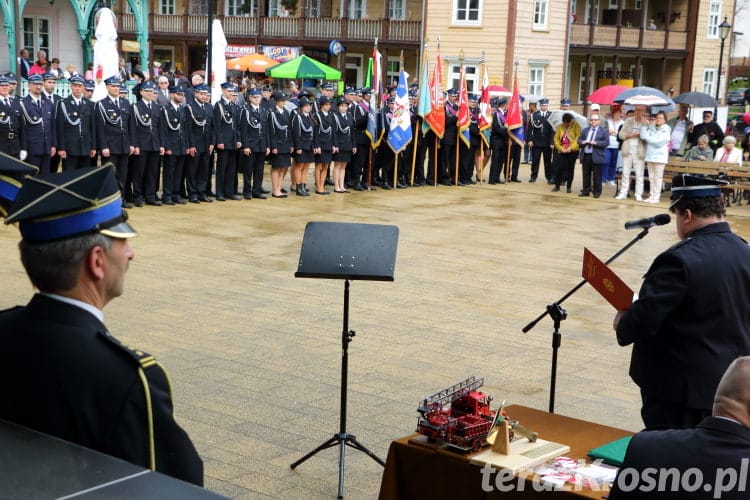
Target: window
714 13
592 17
36 36
467 12
536 80
274 8
585 81
166 6
472 77
391 70
709 75
613 4
638 4
396 9
128 7
237 7
357 9
312 8
540 14
198 7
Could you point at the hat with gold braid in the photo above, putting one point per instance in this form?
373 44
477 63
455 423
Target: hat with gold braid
12 173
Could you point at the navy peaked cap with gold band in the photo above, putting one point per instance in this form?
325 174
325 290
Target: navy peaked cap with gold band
12 174
52 207
691 186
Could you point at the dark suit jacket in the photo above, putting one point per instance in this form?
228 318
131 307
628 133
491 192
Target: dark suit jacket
39 121
65 375
200 119
114 126
692 317
715 444
601 138
174 130
225 129
147 135
254 129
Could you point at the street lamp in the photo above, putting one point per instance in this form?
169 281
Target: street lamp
724 28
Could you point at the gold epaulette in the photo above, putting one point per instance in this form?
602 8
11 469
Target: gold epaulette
144 359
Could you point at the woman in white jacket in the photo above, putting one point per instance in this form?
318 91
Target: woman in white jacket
657 136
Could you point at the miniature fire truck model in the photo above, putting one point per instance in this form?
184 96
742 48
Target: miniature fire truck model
458 416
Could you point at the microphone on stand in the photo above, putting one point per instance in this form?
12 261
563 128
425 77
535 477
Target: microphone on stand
656 220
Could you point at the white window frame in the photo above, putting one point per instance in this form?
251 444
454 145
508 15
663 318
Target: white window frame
714 16
357 9
274 8
397 9
584 92
472 76
541 14
354 62
587 15
236 5
165 48
167 7
613 4
391 75
35 35
464 20
709 80
638 4
537 74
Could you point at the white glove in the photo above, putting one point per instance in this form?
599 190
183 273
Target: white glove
23 155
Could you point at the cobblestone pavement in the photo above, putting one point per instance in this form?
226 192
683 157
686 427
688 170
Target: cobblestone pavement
254 354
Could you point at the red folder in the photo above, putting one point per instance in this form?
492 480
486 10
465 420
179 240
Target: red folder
606 282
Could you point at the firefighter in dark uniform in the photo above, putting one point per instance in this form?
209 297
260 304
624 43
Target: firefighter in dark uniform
76 136
692 315
149 147
200 144
448 143
85 386
361 160
227 141
467 154
39 124
12 137
255 141
498 139
173 124
539 139
114 133
323 143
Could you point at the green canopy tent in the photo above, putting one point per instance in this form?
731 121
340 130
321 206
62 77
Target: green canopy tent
304 67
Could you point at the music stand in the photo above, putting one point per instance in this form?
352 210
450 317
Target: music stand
336 250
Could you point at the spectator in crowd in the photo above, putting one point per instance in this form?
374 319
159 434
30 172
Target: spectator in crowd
728 153
24 65
612 153
89 75
54 68
701 151
41 65
681 127
656 135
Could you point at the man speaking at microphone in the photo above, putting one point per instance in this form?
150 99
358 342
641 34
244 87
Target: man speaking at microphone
692 315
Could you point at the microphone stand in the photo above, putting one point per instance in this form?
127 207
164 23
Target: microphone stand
558 314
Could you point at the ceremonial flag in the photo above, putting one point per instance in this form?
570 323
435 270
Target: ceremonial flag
514 119
485 112
436 117
424 108
464 120
399 134
375 78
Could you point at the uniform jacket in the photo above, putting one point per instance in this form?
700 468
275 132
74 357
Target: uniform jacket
200 119
12 130
625 131
324 125
657 141
113 125
254 129
75 126
39 123
147 134
302 132
692 317
540 131
80 384
361 117
280 130
343 131
601 138
498 130
716 443
225 120
173 129
451 121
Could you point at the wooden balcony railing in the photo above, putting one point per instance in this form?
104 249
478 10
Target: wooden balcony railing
607 36
318 28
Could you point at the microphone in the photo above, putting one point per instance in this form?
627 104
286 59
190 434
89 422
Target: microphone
656 220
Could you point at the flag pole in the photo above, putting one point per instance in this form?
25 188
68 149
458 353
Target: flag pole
458 129
481 132
369 154
418 128
436 165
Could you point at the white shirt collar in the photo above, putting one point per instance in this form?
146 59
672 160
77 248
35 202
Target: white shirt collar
98 314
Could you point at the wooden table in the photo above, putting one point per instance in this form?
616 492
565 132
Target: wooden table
414 471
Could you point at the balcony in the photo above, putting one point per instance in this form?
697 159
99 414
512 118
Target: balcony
622 37
296 28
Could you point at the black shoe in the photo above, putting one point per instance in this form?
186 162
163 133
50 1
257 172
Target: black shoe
340 191
369 188
180 201
533 179
583 193
431 183
220 198
462 183
154 203
446 183
515 180
386 186
194 199
127 204
491 182
168 202
139 204
568 190
300 191
205 199
265 191
597 195
282 195
235 197
322 192
556 188
359 187
247 196
401 185
284 191
260 196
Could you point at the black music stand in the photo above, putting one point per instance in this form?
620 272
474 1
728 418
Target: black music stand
335 250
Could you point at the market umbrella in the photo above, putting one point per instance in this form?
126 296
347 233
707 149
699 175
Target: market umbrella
304 67
699 99
642 91
606 94
254 63
555 118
